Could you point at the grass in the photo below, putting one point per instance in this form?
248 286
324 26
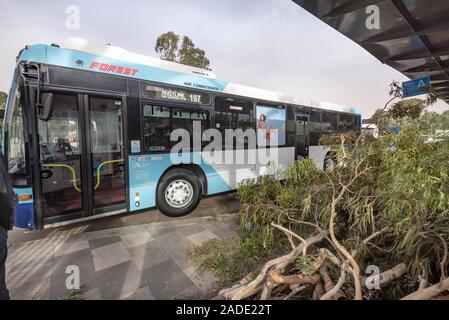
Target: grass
231 261
75 294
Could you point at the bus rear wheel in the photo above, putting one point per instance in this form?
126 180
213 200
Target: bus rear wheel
178 193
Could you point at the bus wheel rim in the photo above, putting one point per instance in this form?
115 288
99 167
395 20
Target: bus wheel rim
179 193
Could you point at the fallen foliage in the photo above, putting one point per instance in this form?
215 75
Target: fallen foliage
383 206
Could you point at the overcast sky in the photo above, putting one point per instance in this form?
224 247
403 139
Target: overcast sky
270 44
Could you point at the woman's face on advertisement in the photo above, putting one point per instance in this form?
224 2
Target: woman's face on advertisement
262 118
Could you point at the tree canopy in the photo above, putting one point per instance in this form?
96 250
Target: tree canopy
169 48
374 226
3 97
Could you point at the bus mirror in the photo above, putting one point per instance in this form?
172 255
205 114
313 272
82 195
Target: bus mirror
45 108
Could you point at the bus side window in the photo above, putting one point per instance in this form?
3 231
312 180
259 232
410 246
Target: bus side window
329 122
160 121
356 122
314 128
345 123
233 114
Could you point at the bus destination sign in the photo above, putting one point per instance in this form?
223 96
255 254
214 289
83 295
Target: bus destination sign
160 93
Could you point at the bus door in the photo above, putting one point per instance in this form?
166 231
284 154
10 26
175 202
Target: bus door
106 151
302 135
82 156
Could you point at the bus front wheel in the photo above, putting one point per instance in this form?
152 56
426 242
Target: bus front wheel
178 193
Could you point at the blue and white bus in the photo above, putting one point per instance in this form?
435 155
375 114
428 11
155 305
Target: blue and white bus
87 132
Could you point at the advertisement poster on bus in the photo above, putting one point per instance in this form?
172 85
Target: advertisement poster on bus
270 126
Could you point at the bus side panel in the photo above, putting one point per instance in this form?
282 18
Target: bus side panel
318 154
24 213
230 166
145 172
234 174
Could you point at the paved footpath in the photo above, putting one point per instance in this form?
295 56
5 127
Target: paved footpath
150 261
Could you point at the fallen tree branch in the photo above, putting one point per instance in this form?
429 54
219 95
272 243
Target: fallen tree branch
377 233
295 290
429 292
291 234
266 290
293 279
327 281
422 283
443 261
331 294
249 289
389 275
318 291
355 267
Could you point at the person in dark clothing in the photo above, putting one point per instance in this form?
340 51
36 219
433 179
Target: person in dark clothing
4 293
8 201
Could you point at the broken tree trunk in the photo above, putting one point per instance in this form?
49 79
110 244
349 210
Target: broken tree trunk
388 275
429 292
249 289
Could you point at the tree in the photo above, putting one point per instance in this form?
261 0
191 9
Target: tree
3 97
382 209
192 56
384 205
431 121
408 109
404 109
167 45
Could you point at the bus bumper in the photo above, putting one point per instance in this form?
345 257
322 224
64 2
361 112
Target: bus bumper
24 216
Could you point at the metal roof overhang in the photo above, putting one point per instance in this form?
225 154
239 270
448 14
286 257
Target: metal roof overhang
413 37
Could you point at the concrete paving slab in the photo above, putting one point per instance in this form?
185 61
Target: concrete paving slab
96 243
22 276
169 283
204 280
147 255
70 247
35 289
177 247
191 229
118 281
80 259
225 233
110 255
199 238
136 239
143 293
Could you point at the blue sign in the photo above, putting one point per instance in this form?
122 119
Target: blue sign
394 129
415 87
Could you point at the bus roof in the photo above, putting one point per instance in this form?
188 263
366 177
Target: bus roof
85 55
